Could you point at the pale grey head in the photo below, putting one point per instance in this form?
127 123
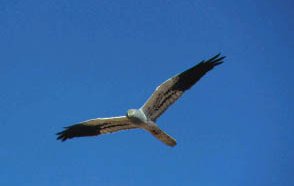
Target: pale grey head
136 115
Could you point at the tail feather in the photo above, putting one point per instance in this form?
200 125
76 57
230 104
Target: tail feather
161 135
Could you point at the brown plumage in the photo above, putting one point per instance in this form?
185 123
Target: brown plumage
164 95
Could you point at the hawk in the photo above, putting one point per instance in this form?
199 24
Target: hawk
145 117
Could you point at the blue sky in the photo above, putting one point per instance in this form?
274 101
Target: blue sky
65 61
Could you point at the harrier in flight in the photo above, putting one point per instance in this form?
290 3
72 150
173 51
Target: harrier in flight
145 117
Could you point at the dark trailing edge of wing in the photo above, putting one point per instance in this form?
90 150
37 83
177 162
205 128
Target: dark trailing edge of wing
78 130
189 77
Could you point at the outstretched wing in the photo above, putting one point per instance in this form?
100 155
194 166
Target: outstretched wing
95 127
169 91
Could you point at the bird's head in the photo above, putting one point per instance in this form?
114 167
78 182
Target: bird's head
131 113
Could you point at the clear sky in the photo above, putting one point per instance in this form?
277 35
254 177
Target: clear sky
65 61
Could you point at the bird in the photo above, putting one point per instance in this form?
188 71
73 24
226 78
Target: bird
145 117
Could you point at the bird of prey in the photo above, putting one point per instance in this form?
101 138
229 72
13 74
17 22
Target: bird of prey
145 117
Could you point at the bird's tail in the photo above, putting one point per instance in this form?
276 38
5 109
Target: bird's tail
161 135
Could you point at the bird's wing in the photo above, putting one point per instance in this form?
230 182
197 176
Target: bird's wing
95 127
172 89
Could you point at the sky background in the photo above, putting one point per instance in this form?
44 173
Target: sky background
65 61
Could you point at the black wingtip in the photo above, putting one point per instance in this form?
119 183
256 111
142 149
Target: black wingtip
217 59
189 77
77 130
66 133
61 136
214 57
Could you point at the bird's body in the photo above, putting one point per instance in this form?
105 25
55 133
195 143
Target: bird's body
145 117
137 116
